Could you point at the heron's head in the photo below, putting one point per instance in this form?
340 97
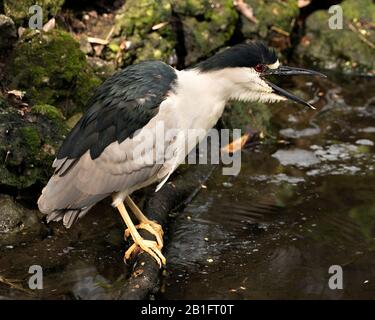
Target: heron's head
246 68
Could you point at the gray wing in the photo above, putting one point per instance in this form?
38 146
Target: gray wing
71 195
96 159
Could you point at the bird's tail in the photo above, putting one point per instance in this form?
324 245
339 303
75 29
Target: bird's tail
68 216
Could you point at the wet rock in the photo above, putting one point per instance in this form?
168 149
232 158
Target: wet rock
17 224
295 134
52 70
102 68
296 157
368 130
28 144
18 10
365 142
350 49
275 21
8 33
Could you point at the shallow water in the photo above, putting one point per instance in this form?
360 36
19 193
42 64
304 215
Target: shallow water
298 206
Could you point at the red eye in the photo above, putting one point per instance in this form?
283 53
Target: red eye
260 68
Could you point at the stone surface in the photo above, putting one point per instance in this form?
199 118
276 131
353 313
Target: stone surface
135 22
8 33
158 30
207 26
52 70
28 144
18 224
275 20
351 49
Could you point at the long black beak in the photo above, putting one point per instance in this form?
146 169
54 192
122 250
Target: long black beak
290 71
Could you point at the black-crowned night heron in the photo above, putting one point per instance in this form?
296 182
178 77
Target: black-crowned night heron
97 158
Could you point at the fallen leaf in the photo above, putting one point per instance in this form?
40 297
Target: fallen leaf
97 40
245 10
51 24
303 3
17 93
159 25
236 145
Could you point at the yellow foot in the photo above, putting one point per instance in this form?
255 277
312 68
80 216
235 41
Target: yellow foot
151 247
152 227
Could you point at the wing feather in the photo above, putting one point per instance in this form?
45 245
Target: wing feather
96 159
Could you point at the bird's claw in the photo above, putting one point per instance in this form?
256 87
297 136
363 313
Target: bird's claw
151 247
154 228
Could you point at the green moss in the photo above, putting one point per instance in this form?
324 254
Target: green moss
47 110
52 70
202 37
155 48
207 26
365 218
73 120
31 138
139 16
135 21
190 7
28 145
279 14
242 115
18 10
345 49
359 9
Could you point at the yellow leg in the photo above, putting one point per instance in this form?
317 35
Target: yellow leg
151 247
151 226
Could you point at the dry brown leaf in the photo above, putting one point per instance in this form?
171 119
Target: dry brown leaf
237 144
245 10
17 93
51 24
159 25
97 40
303 3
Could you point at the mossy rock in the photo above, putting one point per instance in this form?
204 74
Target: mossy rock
255 116
351 49
49 111
52 70
207 26
151 29
275 19
135 22
18 10
28 144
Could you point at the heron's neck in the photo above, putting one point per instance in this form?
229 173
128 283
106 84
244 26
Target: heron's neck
215 85
225 84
